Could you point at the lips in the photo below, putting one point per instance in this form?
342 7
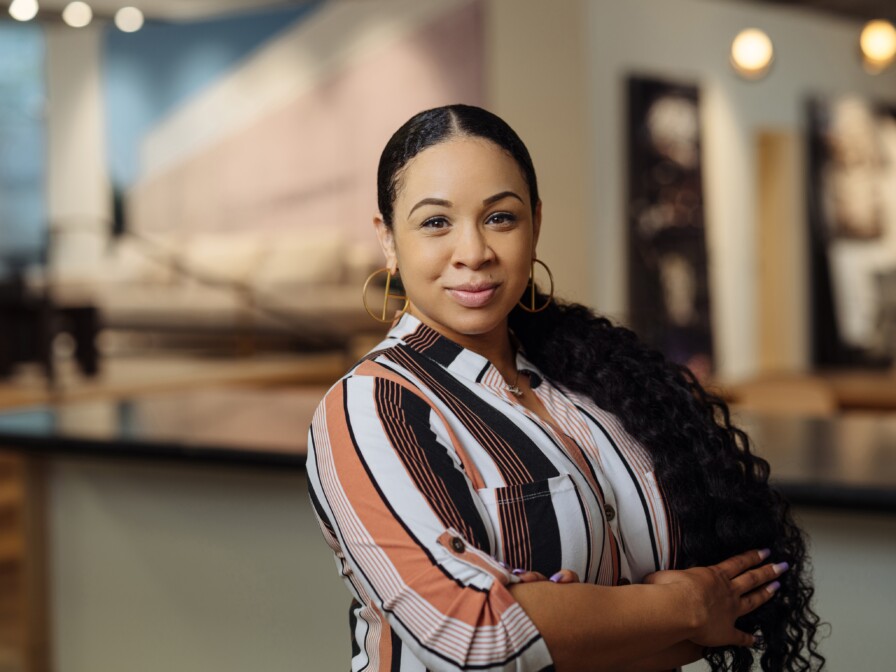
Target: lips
473 295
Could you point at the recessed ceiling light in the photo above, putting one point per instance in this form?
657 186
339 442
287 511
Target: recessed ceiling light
23 10
878 44
129 19
752 53
77 14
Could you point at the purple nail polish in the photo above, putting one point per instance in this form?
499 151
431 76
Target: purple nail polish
764 553
518 571
503 564
773 586
782 567
556 578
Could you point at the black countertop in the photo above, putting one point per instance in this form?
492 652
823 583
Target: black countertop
843 462
246 427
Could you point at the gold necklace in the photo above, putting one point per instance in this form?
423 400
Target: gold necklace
514 389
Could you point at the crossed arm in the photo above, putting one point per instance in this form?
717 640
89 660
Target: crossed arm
661 624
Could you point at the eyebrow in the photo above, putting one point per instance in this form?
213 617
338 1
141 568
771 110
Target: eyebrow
447 204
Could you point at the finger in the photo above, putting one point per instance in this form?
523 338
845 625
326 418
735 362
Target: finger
565 576
527 576
759 576
756 598
740 563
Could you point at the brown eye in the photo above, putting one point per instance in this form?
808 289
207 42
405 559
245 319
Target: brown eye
501 218
435 223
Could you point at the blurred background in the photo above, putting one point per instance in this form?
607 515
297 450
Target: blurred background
186 200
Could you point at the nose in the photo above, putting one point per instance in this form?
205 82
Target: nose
472 248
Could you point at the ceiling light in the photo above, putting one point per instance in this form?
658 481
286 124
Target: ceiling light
878 43
129 19
23 10
752 53
77 14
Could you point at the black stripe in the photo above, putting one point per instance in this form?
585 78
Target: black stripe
544 529
460 510
352 624
590 556
481 418
437 347
318 509
641 496
396 651
482 373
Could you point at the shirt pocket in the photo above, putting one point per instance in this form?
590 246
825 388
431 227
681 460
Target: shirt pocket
540 526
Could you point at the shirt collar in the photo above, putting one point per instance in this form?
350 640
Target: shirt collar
457 359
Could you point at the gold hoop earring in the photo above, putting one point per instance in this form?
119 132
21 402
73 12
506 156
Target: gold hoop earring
382 317
531 307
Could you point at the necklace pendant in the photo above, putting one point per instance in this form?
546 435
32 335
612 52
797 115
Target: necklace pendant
514 390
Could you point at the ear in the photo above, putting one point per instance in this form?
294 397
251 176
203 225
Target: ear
536 227
387 242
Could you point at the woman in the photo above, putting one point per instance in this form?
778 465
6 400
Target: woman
491 441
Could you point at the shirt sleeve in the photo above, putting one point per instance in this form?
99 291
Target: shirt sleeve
408 530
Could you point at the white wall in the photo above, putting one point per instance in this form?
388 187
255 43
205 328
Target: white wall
79 201
689 40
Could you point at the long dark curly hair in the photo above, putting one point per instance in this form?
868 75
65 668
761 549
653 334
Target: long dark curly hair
717 490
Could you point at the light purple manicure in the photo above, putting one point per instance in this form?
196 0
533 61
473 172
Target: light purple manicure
556 578
782 567
764 553
518 571
773 586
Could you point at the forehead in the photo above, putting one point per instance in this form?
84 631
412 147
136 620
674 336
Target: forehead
458 167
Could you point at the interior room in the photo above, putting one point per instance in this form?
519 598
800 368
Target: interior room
188 262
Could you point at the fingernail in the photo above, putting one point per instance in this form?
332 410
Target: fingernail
503 564
781 567
518 571
764 553
773 586
556 578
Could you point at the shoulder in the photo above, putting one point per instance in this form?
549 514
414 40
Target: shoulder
370 374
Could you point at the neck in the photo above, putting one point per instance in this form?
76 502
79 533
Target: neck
494 345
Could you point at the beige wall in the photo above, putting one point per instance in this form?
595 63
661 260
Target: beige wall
536 80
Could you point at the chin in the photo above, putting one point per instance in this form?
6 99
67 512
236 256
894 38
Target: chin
475 322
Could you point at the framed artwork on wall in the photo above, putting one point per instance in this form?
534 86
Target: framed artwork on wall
852 211
668 288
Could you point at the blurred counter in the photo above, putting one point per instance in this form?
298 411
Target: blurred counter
844 461
175 532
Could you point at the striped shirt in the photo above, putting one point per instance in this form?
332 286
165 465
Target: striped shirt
426 475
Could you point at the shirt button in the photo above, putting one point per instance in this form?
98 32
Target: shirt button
457 544
610 512
623 581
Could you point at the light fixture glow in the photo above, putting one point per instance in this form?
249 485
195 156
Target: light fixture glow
129 19
752 53
23 10
77 14
878 44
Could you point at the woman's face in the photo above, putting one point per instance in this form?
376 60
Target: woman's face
463 236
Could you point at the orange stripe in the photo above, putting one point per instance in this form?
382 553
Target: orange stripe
409 560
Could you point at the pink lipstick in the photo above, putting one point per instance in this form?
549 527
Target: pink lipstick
473 296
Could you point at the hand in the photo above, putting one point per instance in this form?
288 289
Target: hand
722 593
